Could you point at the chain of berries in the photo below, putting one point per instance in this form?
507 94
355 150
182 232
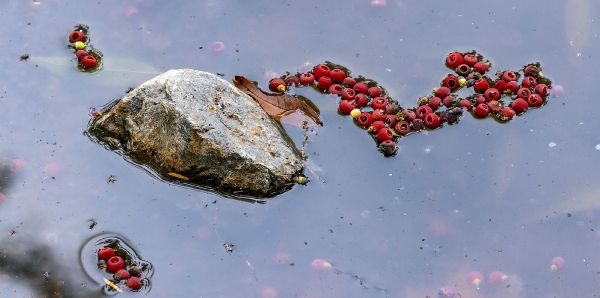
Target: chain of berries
502 98
107 259
88 59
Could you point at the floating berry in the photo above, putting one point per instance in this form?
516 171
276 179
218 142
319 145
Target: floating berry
507 113
76 36
361 87
475 278
355 113
465 104
481 85
384 134
376 127
337 75
335 89
390 120
122 274
463 70
115 263
417 124
509 76
500 85
348 94
79 45
379 114
434 102
462 81
557 263
422 111
481 67
374 92
432 120
491 94
361 100
106 253
324 83
557 90
454 60
135 271
321 70
497 277
523 93
320 265
513 86
519 105
346 107
217 48
451 82
532 70
482 110
534 100
449 117
277 85
134 283
470 59
442 92
409 115
80 54
494 106
529 82
292 80
402 127
480 99
379 103
365 119
88 62
541 89
388 147
392 109
348 82
307 78
448 101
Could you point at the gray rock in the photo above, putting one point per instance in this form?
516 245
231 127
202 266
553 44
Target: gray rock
198 125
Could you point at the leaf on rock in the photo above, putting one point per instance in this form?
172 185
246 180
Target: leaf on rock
278 105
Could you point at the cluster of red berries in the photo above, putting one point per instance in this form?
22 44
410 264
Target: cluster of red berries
88 59
107 259
383 117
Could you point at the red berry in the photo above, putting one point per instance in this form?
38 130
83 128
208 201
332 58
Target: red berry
388 147
106 253
479 99
335 89
534 100
481 67
324 83
500 85
513 86
463 70
361 100
481 85
348 94
532 70
402 127
495 106
448 101
442 92
361 87
376 126
509 76
348 82
465 104
307 78
346 107
434 102
470 59
482 110
432 120
384 134
541 89
379 103
392 109
80 54
491 94
390 120
529 82
337 76
134 283
519 105
76 36
417 124
321 70
523 93
454 60
122 274
507 113
422 111
451 82
409 115
115 263
374 92
365 119
88 62
292 80
379 114
274 84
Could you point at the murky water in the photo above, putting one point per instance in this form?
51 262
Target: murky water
476 196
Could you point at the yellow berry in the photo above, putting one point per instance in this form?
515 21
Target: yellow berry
462 82
355 113
79 45
301 180
281 88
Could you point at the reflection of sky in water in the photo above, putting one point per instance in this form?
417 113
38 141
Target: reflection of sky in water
501 191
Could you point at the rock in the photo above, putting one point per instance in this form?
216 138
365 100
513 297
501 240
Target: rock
197 125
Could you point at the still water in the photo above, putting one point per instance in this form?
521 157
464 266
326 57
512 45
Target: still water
475 196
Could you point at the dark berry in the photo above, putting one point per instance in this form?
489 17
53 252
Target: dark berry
417 124
392 109
463 70
135 271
